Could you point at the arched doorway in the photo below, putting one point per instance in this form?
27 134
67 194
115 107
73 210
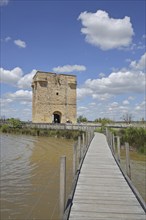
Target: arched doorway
57 117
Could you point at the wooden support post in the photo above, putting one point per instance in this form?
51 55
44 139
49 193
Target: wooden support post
110 140
86 139
106 133
118 149
83 140
113 143
79 147
83 144
107 136
128 168
62 185
90 135
74 159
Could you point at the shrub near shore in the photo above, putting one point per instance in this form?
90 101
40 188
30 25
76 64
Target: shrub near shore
136 137
69 134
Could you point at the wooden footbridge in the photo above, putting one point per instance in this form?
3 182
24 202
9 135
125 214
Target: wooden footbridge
102 191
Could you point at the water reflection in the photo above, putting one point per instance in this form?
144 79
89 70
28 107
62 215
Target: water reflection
30 176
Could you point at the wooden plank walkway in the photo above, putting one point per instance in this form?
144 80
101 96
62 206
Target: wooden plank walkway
102 192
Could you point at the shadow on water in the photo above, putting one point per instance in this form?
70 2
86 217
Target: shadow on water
30 176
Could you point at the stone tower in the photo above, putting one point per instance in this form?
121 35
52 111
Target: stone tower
54 98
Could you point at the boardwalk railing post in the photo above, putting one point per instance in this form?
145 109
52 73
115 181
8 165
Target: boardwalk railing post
128 169
83 141
88 136
74 159
108 136
118 149
113 143
106 133
79 147
62 185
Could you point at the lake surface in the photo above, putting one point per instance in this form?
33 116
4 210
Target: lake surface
30 176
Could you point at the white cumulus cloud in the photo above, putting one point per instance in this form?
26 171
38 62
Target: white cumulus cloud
11 76
4 2
117 83
114 104
69 68
101 75
20 95
105 32
20 43
17 78
125 102
141 106
7 39
139 65
26 80
14 104
4 101
83 92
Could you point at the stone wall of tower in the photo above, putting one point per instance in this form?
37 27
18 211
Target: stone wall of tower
53 94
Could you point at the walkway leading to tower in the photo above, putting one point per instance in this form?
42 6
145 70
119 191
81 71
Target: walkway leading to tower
102 191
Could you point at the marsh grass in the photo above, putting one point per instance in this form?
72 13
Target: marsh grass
68 134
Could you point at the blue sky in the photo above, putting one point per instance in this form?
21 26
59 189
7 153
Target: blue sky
101 42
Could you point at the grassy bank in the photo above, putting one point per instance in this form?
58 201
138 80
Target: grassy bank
136 137
69 134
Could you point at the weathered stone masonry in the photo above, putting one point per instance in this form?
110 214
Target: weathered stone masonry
54 98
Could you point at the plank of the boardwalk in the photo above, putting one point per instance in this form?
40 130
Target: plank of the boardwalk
105 216
106 201
106 181
110 208
104 188
104 196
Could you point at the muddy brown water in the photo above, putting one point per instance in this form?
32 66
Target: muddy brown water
30 176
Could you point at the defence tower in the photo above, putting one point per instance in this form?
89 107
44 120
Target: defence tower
53 98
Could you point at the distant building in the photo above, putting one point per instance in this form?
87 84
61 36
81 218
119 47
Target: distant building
54 98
